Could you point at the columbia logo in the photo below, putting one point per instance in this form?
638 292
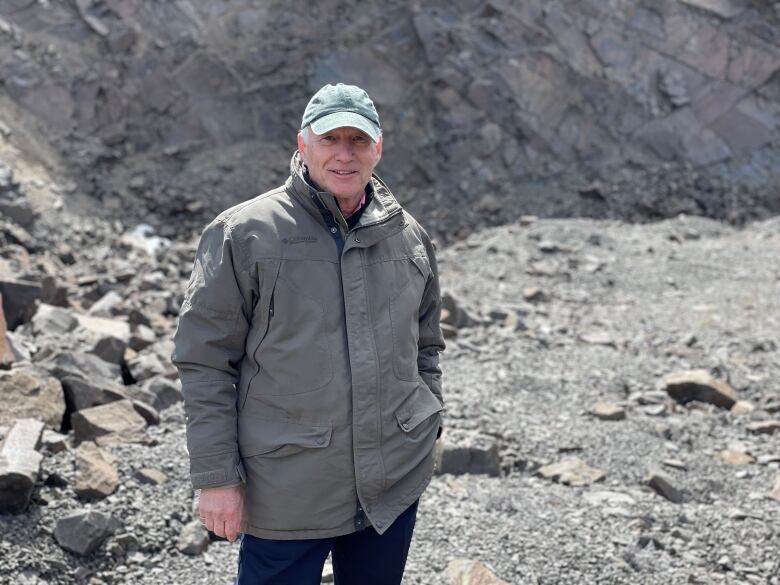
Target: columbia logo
299 240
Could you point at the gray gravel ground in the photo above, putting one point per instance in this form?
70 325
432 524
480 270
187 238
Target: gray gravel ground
680 294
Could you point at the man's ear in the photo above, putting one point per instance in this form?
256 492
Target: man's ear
301 143
379 147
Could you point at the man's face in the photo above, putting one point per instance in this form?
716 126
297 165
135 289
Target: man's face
341 161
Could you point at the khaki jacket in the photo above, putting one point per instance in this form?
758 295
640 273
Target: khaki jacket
308 356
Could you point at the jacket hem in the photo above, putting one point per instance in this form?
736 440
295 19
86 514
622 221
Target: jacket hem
303 534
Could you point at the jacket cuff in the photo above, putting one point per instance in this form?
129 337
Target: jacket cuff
217 471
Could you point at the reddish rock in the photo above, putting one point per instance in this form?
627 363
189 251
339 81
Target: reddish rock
96 474
471 572
6 354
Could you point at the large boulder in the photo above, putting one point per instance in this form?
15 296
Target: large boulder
115 422
83 532
19 465
193 539
108 337
83 365
84 393
461 452
51 320
163 392
19 298
25 393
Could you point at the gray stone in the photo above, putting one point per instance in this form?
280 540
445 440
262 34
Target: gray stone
598 338
115 422
764 427
145 366
571 471
83 393
674 464
462 452
26 393
663 486
83 532
110 337
51 320
685 386
608 498
768 458
19 465
54 442
105 306
775 493
83 365
96 473
534 294
21 346
109 349
19 298
19 210
147 411
456 315
193 539
165 392
149 475
142 337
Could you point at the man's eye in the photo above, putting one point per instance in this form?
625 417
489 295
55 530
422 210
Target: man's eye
328 139
360 139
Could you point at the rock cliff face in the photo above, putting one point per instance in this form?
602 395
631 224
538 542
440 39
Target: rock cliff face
491 109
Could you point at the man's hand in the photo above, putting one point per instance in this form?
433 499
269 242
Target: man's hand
222 510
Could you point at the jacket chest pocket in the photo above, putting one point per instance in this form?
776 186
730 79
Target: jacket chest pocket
294 355
404 307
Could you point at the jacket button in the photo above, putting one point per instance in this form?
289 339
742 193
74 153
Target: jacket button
333 230
357 239
368 508
379 525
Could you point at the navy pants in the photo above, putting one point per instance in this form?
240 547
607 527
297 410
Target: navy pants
358 558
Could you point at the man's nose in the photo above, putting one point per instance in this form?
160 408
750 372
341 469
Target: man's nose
345 150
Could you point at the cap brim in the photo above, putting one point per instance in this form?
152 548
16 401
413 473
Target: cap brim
346 120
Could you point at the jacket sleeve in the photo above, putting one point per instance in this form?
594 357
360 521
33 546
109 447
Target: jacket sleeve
209 345
431 340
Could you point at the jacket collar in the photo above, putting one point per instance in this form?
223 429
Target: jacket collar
382 207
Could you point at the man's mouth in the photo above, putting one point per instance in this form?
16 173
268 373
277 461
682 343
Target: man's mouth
343 173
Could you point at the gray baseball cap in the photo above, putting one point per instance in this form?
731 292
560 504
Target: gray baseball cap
339 106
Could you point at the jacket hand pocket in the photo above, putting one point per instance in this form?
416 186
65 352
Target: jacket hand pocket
259 437
418 408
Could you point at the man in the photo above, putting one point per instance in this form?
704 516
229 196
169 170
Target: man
308 347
